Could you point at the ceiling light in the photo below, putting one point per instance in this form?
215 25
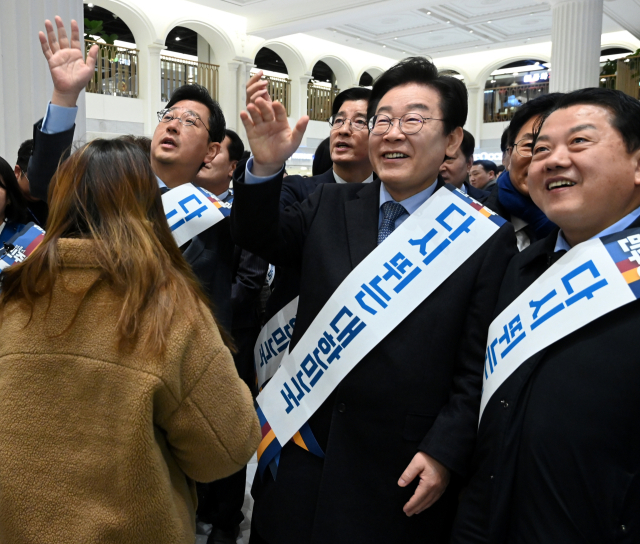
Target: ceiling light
384 46
404 52
395 38
530 13
489 22
448 22
493 81
428 13
90 6
177 38
470 31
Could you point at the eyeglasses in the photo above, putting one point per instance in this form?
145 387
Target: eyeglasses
338 121
186 119
409 123
524 148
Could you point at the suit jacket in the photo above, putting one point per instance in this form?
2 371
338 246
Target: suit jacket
210 254
476 194
286 283
599 419
417 390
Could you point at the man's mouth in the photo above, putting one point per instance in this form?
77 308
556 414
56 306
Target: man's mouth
168 142
342 145
560 183
395 156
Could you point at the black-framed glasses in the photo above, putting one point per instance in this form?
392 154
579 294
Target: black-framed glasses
524 147
338 121
186 118
409 123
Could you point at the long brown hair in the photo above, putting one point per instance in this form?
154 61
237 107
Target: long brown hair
106 191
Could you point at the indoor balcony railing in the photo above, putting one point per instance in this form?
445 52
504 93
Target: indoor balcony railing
319 101
626 78
116 70
501 103
279 88
176 72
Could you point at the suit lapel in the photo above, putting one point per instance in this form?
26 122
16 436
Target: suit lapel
361 216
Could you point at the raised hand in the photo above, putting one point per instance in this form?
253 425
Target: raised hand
257 87
271 138
69 71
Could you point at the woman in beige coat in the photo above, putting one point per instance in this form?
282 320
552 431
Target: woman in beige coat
116 388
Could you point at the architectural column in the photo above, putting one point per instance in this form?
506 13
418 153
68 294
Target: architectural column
150 84
228 93
299 96
474 117
25 82
575 44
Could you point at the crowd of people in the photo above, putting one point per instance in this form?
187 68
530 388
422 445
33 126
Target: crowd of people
420 346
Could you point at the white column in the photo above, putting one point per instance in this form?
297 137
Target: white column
150 84
575 44
299 96
25 83
228 93
474 117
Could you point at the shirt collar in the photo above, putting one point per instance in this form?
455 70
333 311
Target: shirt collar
340 180
161 183
412 203
224 195
626 221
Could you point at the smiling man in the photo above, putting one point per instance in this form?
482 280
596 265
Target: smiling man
455 169
385 451
558 457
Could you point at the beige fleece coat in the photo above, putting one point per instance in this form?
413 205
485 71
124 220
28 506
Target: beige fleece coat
103 447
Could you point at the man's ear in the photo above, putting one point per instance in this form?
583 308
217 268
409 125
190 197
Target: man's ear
17 171
232 168
454 139
214 149
636 161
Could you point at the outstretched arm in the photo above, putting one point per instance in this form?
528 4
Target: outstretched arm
70 74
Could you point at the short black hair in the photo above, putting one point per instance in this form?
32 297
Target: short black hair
16 209
24 154
504 140
322 158
624 109
198 93
355 93
142 142
468 144
420 70
534 108
236 147
488 166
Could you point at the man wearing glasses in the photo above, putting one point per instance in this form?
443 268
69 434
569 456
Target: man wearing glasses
397 432
510 196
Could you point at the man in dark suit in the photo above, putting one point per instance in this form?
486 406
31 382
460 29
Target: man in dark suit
398 431
558 455
220 502
179 148
349 150
455 169
510 198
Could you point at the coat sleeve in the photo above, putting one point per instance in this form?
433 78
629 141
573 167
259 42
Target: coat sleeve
214 430
452 437
48 151
260 226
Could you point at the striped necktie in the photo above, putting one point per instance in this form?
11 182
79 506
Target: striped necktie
390 212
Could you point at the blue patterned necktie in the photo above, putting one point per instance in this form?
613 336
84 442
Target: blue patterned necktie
390 212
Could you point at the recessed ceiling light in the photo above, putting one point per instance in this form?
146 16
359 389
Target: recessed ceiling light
90 6
395 38
404 52
470 31
530 13
489 22
428 13
177 38
448 22
384 46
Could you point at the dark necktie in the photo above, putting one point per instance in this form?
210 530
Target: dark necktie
390 212
163 190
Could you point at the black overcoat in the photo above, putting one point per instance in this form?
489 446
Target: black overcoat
418 390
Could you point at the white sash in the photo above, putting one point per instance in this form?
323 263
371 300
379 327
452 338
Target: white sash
191 210
376 296
593 279
273 342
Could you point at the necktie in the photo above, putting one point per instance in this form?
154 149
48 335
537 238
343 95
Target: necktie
390 212
164 190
